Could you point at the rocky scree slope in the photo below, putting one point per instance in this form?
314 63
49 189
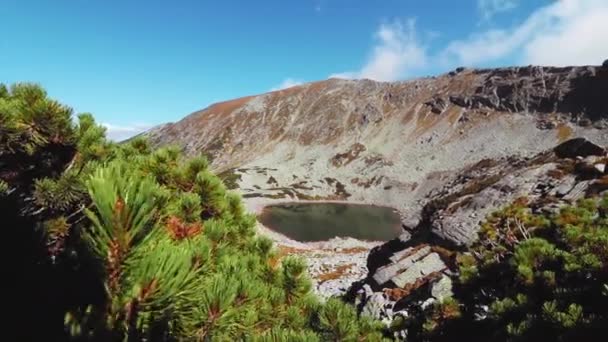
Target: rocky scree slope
415 270
394 144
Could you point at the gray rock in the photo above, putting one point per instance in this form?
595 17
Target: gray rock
375 306
600 124
363 294
584 122
482 313
410 222
565 186
428 303
395 258
405 236
459 221
429 264
461 101
437 104
386 273
590 160
551 209
442 288
577 192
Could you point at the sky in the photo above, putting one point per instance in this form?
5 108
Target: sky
135 64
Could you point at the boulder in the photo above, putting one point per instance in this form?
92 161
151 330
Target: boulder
442 288
363 294
461 101
438 105
458 220
591 166
577 192
405 236
379 256
400 261
584 122
578 147
375 307
600 124
564 187
457 71
411 219
429 264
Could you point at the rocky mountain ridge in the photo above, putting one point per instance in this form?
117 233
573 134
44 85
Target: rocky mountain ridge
390 144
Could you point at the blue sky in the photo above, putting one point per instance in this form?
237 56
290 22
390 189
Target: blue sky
134 64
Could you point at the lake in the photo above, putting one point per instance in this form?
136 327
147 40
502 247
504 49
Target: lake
322 221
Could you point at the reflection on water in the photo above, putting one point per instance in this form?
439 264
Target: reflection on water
323 221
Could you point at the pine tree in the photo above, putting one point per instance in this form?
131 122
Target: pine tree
538 277
133 243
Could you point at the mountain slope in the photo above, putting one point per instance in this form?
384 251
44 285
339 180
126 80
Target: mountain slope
391 143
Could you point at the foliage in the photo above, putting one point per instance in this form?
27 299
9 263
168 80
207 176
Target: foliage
532 277
339 322
125 242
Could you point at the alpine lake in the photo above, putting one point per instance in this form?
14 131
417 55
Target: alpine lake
309 222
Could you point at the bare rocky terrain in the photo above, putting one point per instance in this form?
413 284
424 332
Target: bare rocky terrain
444 151
416 269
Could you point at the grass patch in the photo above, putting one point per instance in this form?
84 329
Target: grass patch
335 274
564 132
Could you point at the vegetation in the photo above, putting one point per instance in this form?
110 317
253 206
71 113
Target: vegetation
529 277
124 242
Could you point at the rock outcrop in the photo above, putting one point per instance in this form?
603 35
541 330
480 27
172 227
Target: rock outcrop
579 147
539 90
417 269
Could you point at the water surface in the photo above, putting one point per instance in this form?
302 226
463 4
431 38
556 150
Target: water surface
323 221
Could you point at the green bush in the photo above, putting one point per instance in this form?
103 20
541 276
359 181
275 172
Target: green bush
124 242
533 277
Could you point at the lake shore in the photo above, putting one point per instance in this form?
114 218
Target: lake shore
333 264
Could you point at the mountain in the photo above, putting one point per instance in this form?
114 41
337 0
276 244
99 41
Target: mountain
447 152
393 143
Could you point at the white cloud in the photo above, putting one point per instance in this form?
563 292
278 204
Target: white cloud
489 8
119 133
566 32
396 53
287 83
484 46
581 38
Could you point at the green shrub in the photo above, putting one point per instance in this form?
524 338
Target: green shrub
124 242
